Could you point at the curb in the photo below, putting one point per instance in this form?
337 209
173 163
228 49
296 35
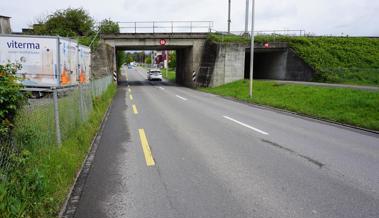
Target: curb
71 203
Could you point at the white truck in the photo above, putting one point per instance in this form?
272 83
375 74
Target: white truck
47 61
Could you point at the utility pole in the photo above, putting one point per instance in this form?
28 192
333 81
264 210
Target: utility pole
252 51
247 17
229 21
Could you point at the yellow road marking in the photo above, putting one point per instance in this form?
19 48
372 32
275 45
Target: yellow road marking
146 149
135 111
131 97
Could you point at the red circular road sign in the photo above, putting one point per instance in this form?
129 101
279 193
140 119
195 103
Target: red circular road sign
162 42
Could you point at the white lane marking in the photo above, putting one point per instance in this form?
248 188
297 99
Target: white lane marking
245 125
184 99
161 88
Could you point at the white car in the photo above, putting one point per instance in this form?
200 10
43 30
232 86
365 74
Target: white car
154 74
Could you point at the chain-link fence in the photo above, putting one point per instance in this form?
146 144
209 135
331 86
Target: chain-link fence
49 120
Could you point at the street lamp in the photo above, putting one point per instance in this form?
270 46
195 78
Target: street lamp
247 17
252 51
229 8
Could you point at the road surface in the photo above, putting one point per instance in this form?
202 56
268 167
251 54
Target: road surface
169 151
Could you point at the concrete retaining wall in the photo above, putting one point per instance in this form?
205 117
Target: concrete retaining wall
221 63
102 61
297 69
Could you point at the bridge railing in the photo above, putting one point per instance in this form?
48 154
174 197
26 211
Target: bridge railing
267 32
166 27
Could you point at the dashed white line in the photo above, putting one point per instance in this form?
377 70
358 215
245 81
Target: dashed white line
161 88
184 99
245 125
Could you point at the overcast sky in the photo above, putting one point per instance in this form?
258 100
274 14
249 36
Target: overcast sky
352 17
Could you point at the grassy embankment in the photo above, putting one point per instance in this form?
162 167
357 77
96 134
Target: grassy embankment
348 60
354 107
44 172
171 75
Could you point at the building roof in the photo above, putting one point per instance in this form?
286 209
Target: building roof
2 16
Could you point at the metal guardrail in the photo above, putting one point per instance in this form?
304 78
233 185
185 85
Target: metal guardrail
166 26
266 32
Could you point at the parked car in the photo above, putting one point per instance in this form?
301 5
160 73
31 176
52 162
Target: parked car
154 74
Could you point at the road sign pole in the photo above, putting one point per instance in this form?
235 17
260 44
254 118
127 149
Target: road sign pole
252 51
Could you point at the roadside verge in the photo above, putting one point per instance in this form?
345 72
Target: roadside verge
72 200
351 108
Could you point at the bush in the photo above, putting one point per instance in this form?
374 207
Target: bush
21 186
11 97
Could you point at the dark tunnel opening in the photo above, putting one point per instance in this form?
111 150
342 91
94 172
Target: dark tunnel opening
268 64
278 64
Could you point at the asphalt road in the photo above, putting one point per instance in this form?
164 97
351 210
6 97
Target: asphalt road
183 153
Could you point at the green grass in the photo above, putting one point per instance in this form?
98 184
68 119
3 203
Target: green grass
222 38
350 60
171 75
354 107
39 188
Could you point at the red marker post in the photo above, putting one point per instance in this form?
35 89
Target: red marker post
162 42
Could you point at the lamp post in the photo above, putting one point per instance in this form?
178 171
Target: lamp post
252 51
247 18
229 21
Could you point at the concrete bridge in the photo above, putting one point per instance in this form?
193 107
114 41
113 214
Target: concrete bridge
215 63
189 48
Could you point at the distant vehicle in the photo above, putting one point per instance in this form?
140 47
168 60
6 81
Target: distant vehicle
130 66
134 64
154 74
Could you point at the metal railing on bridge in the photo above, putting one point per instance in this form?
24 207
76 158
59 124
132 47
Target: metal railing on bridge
166 27
266 32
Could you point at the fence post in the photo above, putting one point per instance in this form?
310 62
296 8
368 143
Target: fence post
153 27
172 27
56 117
81 102
135 27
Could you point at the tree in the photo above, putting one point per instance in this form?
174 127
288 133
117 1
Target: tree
70 22
129 58
148 60
120 59
172 59
108 26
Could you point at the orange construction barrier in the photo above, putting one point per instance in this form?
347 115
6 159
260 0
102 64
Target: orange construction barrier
65 78
82 77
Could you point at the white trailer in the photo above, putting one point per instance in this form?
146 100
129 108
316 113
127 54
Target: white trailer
46 61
